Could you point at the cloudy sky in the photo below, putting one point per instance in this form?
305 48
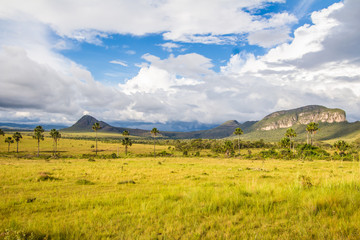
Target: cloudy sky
176 60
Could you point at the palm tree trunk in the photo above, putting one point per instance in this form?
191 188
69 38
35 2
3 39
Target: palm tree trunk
126 150
96 143
239 144
293 146
17 147
38 147
154 149
290 144
55 147
9 147
307 138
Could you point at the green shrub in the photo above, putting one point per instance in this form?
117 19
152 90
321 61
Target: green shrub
127 182
46 176
164 154
271 153
84 182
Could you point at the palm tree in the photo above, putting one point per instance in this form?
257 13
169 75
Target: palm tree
341 146
2 132
17 136
38 135
126 141
238 132
96 127
290 133
228 147
285 142
154 132
311 129
9 140
55 134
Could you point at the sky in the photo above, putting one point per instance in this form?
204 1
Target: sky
176 60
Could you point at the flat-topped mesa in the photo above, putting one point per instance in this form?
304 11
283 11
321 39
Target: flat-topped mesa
303 115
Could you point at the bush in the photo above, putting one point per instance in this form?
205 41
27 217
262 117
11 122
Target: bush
127 182
164 154
271 153
84 182
309 151
46 176
286 154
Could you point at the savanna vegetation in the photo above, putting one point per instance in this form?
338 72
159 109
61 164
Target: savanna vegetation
110 186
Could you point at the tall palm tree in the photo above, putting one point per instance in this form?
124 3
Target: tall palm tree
17 136
39 135
2 132
96 127
55 134
238 132
311 129
126 141
9 141
154 132
290 133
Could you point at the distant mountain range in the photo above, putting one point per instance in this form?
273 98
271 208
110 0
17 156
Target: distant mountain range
272 127
333 124
85 124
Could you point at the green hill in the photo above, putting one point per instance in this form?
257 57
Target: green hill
327 131
85 123
302 116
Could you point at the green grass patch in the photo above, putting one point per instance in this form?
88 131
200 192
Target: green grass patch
184 198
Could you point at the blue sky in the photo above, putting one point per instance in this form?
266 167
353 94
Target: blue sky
128 49
176 60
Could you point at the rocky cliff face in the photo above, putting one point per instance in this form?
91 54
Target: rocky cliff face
303 115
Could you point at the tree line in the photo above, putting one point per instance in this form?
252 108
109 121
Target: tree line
227 147
38 136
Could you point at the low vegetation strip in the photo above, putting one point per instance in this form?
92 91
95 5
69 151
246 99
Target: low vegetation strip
182 198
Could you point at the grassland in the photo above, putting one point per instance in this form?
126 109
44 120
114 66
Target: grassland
174 197
77 144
